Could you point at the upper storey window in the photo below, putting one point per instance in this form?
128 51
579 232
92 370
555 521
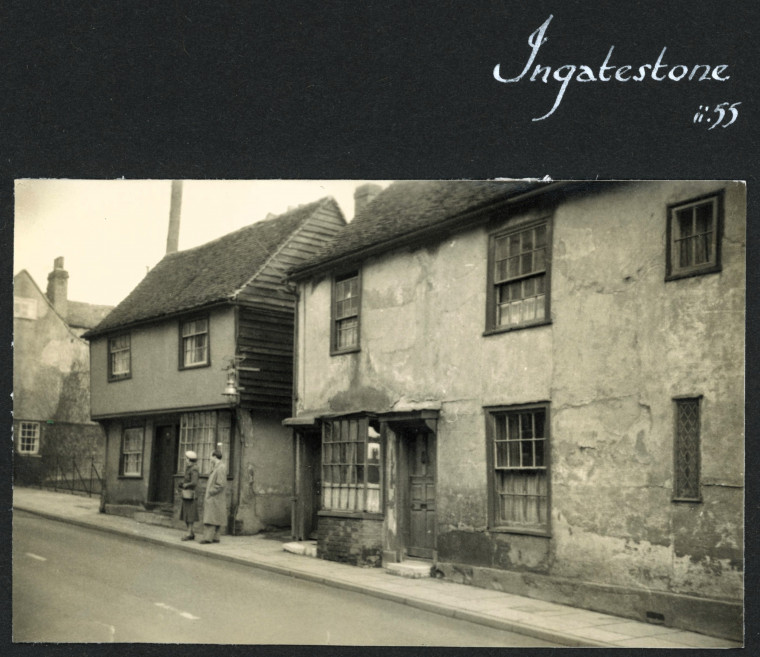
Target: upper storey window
694 231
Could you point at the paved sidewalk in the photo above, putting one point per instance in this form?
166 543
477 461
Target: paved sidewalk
561 624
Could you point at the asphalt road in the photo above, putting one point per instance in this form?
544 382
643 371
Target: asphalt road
77 585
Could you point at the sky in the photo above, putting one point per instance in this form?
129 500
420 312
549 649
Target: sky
111 232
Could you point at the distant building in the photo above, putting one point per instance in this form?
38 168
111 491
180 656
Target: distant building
207 321
537 388
51 376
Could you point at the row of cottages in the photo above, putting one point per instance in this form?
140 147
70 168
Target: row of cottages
51 379
537 388
199 355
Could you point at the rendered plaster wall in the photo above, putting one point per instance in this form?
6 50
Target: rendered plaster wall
156 381
51 363
266 478
622 344
625 344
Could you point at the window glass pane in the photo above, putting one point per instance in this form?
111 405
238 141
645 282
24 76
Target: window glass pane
685 222
540 233
703 218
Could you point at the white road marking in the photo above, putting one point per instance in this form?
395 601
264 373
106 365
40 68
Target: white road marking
35 556
184 614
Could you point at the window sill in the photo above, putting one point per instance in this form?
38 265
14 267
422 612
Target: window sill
123 476
540 533
687 500
32 455
508 329
194 366
341 352
363 515
691 273
124 377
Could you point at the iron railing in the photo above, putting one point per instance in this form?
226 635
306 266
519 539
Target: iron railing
74 475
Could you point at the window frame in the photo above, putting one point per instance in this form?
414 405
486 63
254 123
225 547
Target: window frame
495 522
222 420
365 509
110 353
674 271
334 319
122 453
21 438
492 289
677 438
182 365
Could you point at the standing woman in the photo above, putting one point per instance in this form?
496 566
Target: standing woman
189 510
215 501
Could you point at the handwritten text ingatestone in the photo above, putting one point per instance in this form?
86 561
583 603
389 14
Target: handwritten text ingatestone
607 72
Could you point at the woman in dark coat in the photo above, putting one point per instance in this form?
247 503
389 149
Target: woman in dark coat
189 510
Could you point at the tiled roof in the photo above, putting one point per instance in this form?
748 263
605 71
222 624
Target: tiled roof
407 207
85 315
209 273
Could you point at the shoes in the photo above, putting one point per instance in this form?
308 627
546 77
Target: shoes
205 542
188 538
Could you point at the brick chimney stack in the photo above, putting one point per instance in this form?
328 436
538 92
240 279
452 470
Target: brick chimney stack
58 287
364 195
172 239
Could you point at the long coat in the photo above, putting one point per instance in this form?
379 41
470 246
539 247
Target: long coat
215 501
189 509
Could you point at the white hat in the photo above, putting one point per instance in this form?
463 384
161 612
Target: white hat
192 456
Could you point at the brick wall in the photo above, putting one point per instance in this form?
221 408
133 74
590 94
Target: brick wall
356 541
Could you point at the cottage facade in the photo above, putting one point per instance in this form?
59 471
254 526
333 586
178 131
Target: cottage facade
207 321
536 387
51 378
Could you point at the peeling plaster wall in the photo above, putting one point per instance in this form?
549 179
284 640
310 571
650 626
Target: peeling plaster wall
622 343
51 364
266 477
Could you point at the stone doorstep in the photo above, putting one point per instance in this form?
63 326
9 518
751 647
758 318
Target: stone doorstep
304 548
410 568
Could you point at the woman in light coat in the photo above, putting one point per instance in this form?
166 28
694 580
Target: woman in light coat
189 509
215 501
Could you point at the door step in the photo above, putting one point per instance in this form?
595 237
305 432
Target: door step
411 568
305 548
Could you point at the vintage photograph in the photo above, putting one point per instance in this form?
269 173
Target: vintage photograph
456 412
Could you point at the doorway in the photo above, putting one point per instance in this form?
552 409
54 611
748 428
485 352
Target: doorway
164 468
308 484
420 507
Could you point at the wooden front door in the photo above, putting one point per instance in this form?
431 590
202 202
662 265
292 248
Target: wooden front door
164 464
421 494
308 484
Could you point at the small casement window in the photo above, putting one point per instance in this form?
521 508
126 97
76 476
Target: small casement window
694 231
351 465
194 343
346 307
202 433
29 438
519 470
686 466
518 280
119 357
132 452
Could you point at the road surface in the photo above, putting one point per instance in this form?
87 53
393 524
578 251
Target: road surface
72 584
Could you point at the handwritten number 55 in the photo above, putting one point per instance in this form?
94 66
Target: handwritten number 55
721 109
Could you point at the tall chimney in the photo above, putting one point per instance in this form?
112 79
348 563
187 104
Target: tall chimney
58 287
172 239
364 195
